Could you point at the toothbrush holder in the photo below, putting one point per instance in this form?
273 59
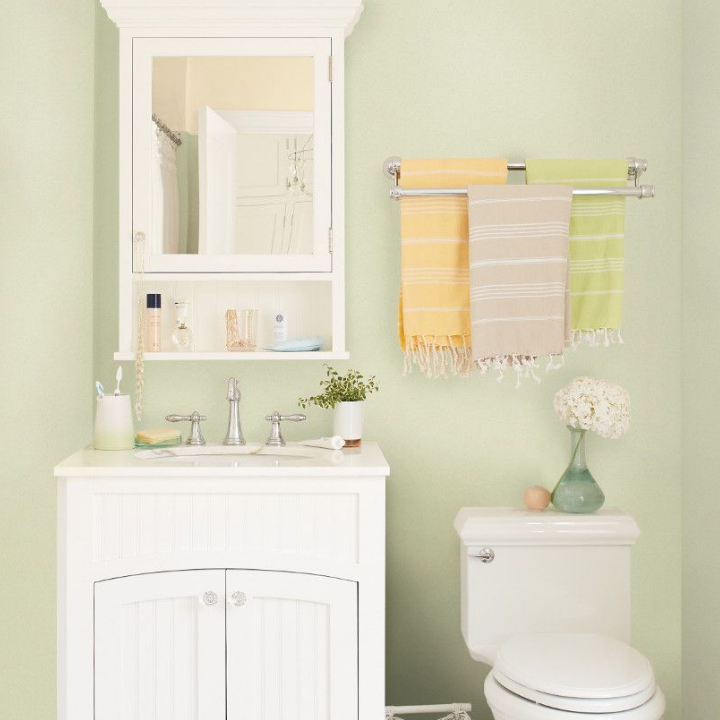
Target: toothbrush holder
113 423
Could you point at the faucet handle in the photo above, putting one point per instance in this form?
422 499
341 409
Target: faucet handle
297 417
196 437
276 439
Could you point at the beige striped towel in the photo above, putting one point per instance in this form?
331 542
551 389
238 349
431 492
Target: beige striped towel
434 310
518 274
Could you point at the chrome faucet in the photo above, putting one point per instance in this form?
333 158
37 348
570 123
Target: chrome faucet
234 432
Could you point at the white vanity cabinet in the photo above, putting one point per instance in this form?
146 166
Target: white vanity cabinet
221 588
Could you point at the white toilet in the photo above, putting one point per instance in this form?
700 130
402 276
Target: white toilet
546 603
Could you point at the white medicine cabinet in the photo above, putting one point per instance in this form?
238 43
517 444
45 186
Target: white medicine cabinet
232 170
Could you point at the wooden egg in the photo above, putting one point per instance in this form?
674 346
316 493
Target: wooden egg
536 497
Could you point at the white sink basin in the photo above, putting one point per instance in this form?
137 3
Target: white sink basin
250 455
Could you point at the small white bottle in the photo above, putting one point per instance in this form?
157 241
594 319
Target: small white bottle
182 337
280 327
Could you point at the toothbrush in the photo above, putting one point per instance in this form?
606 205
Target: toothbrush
118 377
100 389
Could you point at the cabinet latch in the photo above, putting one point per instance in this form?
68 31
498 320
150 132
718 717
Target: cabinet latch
330 75
330 239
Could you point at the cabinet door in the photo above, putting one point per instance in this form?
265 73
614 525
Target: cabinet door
160 647
291 647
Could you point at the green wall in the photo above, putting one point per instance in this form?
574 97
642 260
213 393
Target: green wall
701 385
450 77
46 277
515 78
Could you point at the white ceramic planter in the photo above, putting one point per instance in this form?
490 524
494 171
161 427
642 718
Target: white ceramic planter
348 421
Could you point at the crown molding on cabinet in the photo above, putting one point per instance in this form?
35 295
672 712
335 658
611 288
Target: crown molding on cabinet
291 14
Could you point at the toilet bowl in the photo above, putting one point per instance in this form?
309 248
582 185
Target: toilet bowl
572 677
546 603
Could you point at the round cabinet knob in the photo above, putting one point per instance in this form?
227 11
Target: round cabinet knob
210 598
238 598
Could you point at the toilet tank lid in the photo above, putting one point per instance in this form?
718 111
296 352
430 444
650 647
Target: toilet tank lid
478 526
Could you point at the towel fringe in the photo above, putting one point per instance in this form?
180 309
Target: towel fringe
437 356
595 338
523 365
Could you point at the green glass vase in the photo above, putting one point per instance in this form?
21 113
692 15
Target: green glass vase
577 491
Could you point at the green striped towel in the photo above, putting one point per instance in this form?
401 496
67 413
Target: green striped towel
597 233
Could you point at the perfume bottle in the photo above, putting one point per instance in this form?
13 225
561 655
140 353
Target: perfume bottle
182 337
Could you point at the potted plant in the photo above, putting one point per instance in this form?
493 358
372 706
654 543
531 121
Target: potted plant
345 394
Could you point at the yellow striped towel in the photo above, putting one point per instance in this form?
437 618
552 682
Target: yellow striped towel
597 229
434 322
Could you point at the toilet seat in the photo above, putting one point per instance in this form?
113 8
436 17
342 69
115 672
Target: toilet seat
571 704
577 675
505 705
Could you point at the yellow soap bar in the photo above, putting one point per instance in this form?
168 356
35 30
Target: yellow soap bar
155 436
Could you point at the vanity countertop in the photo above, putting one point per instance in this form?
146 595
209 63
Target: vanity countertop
366 460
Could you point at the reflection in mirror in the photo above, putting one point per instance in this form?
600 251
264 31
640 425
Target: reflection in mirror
232 144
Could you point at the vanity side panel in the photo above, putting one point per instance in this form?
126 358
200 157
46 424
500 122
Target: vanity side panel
75 608
371 600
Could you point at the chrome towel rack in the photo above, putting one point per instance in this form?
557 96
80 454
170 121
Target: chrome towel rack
636 167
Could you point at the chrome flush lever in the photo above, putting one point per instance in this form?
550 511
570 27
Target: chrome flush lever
486 555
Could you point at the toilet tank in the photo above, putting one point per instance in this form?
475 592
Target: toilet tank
550 572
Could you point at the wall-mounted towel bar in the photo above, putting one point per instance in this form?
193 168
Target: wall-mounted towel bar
636 166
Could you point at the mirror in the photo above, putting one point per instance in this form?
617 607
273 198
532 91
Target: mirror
232 150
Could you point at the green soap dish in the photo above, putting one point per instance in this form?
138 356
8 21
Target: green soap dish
152 446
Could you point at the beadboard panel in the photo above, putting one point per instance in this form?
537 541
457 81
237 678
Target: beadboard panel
150 631
137 525
159 649
291 647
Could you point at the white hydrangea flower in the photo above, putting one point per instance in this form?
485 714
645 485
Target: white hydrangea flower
597 405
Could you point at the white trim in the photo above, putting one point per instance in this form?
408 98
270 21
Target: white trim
235 356
265 122
312 16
